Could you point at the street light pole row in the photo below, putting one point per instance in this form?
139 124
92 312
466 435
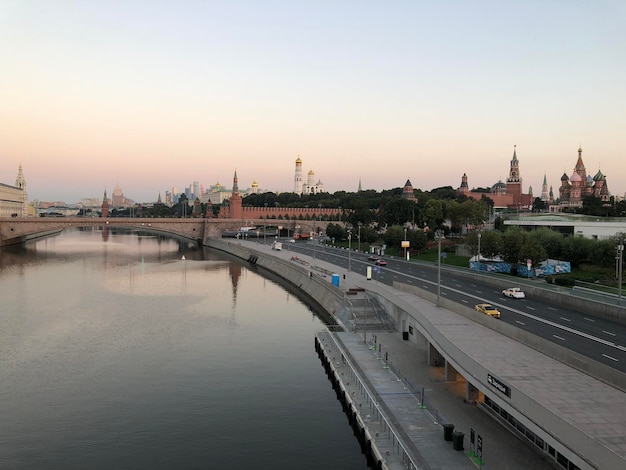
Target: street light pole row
439 236
620 256
349 249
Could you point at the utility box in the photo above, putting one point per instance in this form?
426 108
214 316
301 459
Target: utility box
335 278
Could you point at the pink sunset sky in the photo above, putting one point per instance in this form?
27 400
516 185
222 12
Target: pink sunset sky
153 95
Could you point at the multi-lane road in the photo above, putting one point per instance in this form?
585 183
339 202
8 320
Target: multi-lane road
598 339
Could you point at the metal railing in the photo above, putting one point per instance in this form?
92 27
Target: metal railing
373 401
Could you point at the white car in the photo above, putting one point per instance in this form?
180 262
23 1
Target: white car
514 293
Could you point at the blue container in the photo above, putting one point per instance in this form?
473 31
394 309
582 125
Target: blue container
336 280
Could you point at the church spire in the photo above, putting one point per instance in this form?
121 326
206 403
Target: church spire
235 185
514 176
104 211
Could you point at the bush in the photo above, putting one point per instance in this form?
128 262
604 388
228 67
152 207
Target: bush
564 281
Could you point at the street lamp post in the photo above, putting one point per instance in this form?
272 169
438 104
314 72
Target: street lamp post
359 236
439 236
620 255
479 235
349 249
405 243
313 241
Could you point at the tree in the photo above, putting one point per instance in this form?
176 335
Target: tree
491 243
512 241
539 205
454 212
576 249
335 231
433 213
532 250
394 236
552 241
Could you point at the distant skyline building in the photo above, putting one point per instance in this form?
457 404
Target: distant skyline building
297 178
545 194
104 211
117 198
579 186
408 192
311 186
507 195
14 199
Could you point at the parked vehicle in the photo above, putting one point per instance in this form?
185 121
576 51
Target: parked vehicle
488 309
381 262
514 293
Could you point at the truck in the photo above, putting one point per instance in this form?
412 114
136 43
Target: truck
277 246
302 236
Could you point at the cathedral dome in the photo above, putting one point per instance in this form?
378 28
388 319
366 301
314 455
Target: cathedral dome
575 177
499 187
599 176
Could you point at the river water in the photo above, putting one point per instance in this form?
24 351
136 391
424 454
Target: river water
115 352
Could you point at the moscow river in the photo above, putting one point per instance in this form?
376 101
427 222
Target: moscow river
117 352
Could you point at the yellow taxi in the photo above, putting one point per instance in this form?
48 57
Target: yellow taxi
488 309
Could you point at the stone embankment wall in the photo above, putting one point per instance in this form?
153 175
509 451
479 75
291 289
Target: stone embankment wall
318 289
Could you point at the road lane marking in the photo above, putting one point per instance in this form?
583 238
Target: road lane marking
565 319
569 329
520 322
530 308
611 357
559 337
608 333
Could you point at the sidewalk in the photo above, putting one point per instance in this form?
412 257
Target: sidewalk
502 450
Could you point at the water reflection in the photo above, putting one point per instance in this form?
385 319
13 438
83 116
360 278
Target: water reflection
118 353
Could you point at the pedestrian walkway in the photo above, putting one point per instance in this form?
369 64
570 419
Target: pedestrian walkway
574 402
406 366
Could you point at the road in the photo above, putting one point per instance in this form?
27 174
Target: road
601 340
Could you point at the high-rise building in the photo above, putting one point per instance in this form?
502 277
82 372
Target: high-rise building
117 198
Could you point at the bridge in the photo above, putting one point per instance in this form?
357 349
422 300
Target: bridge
15 230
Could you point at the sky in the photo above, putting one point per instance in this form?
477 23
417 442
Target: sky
152 94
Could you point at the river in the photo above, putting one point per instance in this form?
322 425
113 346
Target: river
117 352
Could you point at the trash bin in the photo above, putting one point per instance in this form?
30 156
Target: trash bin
447 431
457 440
405 335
